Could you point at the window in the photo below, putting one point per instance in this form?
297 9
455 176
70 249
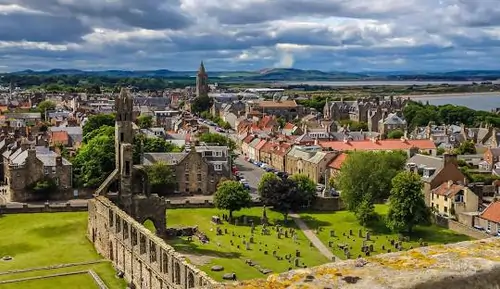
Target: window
218 167
218 153
127 168
53 170
122 137
489 226
432 196
446 209
46 170
445 198
208 153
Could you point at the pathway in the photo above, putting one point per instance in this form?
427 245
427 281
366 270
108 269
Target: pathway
313 238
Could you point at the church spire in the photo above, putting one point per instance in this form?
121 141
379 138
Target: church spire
201 70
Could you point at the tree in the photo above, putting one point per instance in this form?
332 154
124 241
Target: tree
406 204
284 195
218 139
96 121
395 134
201 104
161 178
305 185
466 148
142 143
46 105
365 213
366 176
94 161
43 188
145 121
103 130
232 196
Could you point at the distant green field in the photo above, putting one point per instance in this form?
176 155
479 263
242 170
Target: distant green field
39 240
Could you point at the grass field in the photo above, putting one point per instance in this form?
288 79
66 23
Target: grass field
82 281
38 240
229 256
343 221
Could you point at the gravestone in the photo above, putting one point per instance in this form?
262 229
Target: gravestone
274 253
225 230
330 244
350 232
236 222
368 236
247 246
265 252
245 220
360 233
297 253
383 247
332 233
297 262
286 234
367 253
311 244
264 215
295 238
392 242
251 239
371 247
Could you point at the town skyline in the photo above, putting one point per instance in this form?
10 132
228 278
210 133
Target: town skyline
327 35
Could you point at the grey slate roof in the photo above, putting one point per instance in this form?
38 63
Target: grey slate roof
423 161
168 158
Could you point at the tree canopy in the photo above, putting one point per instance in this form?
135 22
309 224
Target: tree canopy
284 195
94 122
232 196
407 206
366 176
46 105
161 178
395 134
218 139
200 104
145 121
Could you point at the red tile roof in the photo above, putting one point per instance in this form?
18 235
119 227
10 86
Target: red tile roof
259 146
338 161
268 147
282 149
289 126
448 189
61 137
388 144
492 212
248 139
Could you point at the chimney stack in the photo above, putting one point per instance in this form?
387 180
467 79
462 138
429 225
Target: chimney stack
450 158
59 161
450 183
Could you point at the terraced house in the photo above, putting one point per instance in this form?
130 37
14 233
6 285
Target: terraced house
310 161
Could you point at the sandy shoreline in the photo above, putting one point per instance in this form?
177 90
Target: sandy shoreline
441 95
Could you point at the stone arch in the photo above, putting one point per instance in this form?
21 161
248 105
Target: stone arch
177 273
159 224
190 280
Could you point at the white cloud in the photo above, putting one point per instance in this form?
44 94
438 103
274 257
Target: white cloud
250 34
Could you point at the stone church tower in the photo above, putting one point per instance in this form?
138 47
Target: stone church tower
124 139
202 82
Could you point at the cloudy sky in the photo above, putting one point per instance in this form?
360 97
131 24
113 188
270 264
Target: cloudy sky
351 35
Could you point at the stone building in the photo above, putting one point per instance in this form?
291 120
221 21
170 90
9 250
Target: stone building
198 170
288 109
451 199
310 161
390 123
202 82
25 164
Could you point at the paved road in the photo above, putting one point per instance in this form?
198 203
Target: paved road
313 238
250 172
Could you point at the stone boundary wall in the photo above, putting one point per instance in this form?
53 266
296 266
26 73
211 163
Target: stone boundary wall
27 208
460 228
52 267
144 258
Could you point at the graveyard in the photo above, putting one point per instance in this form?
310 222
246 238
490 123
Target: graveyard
341 232
232 248
32 244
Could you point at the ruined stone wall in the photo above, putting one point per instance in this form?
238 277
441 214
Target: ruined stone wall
465 265
146 260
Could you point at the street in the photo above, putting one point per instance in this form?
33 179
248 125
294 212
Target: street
251 173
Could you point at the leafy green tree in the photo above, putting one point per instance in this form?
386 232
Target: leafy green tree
266 178
367 176
395 134
200 104
440 151
43 188
218 139
466 148
365 213
232 196
145 121
284 195
161 178
46 105
407 207
94 122
304 184
103 130
94 161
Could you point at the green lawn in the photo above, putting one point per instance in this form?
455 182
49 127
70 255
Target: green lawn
229 256
81 281
343 221
38 240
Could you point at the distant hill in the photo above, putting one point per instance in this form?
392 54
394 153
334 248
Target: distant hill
279 74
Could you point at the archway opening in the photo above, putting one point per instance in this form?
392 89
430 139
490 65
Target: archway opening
150 225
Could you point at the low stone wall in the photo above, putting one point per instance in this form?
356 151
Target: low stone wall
460 228
26 208
465 265
187 204
328 204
